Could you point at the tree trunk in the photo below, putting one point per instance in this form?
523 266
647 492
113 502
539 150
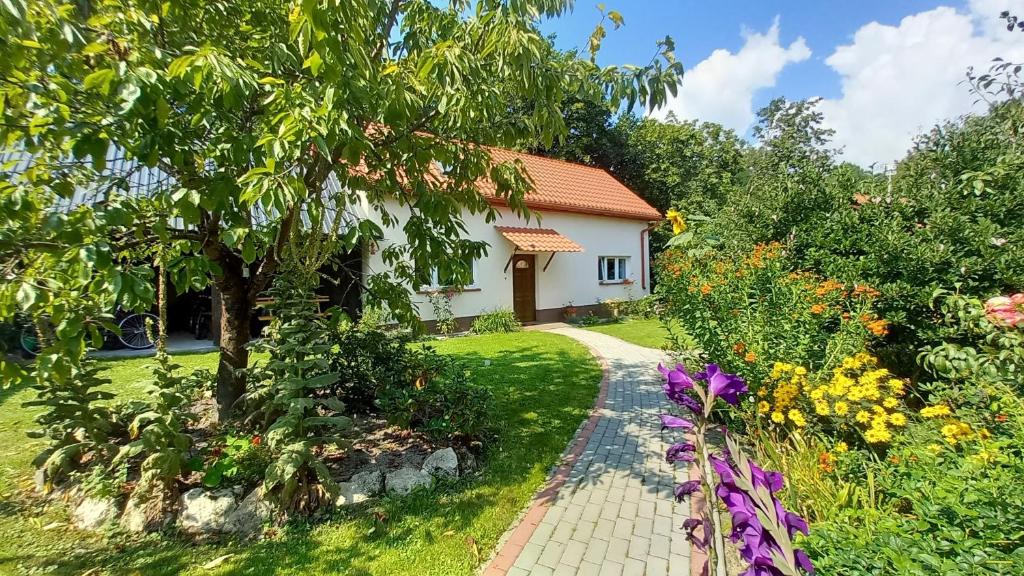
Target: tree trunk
235 314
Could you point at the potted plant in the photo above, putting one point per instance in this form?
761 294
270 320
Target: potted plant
569 312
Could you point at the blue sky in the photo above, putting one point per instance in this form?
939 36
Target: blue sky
886 69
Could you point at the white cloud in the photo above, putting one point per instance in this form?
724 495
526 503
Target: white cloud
721 88
898 81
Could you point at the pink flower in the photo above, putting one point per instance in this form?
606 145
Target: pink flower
1006 310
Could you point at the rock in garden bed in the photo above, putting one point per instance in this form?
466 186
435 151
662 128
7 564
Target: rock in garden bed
201 512
93 513
405 480
442 464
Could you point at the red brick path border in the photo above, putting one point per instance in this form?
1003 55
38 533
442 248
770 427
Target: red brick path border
506 557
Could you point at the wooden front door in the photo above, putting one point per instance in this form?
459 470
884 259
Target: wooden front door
524 287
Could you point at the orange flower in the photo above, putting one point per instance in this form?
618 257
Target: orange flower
705 289
1001 418
827 462
878 327
828 286
750 357
865 290
739 348
818 308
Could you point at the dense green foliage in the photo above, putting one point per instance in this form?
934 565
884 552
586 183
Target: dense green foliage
888 391
441 399
366 362
500 320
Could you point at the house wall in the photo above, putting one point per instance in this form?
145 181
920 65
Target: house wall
571 277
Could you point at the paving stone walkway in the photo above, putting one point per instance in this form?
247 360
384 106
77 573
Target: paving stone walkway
615 514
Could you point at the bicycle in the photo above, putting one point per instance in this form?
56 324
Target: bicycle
134 333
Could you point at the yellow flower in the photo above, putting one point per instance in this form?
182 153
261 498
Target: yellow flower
841 408
877 435
897 419
935 448
878 409
840 447
821 408
801 371
818 393
797 418
890 402
778 417
677 220
863 416
763 407
935 411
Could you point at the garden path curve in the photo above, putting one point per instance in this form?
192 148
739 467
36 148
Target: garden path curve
609 509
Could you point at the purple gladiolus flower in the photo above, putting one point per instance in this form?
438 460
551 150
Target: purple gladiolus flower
804 561
691 525
669 421
690 402
686 488
677 382
773 481
677 377
728 387
682 452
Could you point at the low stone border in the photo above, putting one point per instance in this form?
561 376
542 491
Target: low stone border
516 540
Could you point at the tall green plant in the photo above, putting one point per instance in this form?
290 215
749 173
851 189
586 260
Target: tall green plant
157 432
289 403
77 426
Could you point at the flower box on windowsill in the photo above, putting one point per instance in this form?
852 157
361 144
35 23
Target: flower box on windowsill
613 282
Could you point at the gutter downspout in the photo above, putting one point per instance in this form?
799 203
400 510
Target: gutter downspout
643 254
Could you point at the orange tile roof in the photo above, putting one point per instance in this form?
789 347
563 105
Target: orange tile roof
567 187
538 239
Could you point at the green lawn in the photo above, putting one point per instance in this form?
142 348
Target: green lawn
648 333
544 385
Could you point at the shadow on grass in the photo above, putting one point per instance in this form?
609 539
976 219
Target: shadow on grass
543 389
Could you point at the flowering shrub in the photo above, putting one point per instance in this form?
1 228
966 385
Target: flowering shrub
860 397
748 312
759 521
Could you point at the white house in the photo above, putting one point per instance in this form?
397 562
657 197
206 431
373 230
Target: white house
586 242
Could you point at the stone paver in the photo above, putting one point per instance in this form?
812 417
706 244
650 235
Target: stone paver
615 513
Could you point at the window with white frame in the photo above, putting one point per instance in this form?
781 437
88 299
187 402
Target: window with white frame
437 279
612 268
